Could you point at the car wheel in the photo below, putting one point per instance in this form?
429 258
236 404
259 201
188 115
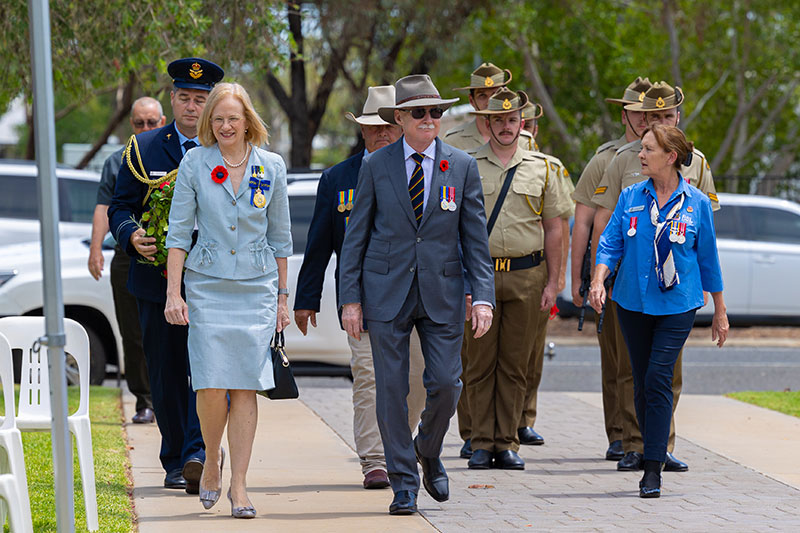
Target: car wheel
97 361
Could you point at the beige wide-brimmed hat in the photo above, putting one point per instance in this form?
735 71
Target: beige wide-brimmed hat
504 101
660 97
487 76
416 90
634 93
532 111
382 95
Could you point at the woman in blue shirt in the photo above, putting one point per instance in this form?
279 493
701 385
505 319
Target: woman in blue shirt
236 292
662 236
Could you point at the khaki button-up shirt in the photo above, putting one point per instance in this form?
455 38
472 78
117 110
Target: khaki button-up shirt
534 195
625 169
593 173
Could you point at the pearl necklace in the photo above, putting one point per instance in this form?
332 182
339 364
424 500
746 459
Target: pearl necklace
240 163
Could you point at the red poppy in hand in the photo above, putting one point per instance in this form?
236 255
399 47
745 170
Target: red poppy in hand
219 174
444 165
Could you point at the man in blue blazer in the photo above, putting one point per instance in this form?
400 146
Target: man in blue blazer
402 268
334 204
151 157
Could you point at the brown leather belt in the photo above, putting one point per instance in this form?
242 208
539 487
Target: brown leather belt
507 264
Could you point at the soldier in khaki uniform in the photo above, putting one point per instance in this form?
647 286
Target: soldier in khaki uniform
484 81
558 172
525 226
660 104
612 345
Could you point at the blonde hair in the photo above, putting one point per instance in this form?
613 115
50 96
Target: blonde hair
256 131
672 139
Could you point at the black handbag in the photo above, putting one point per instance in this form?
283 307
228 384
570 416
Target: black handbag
285 386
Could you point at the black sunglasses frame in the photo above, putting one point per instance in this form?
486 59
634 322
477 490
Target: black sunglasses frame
419 113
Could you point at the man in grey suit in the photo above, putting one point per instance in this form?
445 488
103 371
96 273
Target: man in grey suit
417 201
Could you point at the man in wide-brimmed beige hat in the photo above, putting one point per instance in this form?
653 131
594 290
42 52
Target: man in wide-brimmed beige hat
335 198
660 104
417 230
524 229
612 345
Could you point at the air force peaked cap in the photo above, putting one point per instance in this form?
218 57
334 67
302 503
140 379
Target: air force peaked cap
194 73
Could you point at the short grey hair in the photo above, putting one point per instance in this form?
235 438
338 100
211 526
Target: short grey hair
148 100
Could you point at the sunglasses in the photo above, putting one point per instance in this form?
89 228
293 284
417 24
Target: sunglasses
420 112
150 123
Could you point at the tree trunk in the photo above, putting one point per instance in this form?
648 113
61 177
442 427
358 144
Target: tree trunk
674 44
123 107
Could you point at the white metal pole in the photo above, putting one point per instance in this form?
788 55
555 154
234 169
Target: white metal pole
44 130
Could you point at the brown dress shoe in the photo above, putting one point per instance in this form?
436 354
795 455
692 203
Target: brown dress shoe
144 416
377 479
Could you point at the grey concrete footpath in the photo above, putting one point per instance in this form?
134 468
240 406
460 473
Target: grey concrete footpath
302 478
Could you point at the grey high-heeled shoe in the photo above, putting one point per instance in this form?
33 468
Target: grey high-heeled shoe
209 498
241 512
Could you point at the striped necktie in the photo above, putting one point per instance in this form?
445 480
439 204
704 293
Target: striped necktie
416 186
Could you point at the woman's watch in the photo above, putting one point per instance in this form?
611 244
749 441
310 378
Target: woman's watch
283 291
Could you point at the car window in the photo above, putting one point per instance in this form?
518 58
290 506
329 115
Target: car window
20 198
773 225
301 209
76 199
727 223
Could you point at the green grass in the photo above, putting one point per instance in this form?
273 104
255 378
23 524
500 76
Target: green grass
110 467
787 402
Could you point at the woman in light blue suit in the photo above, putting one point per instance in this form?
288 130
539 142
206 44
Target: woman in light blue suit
235 278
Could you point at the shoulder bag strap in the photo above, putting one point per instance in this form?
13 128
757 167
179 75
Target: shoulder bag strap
501 198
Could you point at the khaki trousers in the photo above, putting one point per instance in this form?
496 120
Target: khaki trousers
631 436
369 446
497 363
612 349
533 375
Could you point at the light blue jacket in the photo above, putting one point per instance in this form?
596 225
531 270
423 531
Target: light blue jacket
235 239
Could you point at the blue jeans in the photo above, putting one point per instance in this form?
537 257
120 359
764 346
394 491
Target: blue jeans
654 343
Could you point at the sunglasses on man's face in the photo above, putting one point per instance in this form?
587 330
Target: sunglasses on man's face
151 123
420 112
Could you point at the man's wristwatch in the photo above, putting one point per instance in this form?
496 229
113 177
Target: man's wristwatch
283 291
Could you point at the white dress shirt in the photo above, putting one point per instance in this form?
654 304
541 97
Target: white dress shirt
427 166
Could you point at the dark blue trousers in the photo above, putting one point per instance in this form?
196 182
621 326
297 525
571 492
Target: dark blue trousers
174 400
441 349
654 343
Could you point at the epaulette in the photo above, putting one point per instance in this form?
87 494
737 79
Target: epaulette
605 146
628 146
456 129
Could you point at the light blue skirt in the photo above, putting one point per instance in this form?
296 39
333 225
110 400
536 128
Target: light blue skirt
230 327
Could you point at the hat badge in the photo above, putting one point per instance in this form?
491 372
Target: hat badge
641 96
660 103
488 82
506 104
196 72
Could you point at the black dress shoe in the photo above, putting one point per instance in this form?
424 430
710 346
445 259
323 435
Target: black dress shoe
674 465
434 477
528 436
404 502
174 480
480 460
466 449
508 460
631 462
192 471
144 416
615 451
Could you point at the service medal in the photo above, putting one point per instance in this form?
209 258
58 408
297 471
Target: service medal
259 200
681 232
452 205
632 228
445 205
340 208
349 206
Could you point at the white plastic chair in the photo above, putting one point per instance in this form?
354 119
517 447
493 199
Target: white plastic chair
34 398
13 481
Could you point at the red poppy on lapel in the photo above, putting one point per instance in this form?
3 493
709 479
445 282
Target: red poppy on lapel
444 165
219 174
